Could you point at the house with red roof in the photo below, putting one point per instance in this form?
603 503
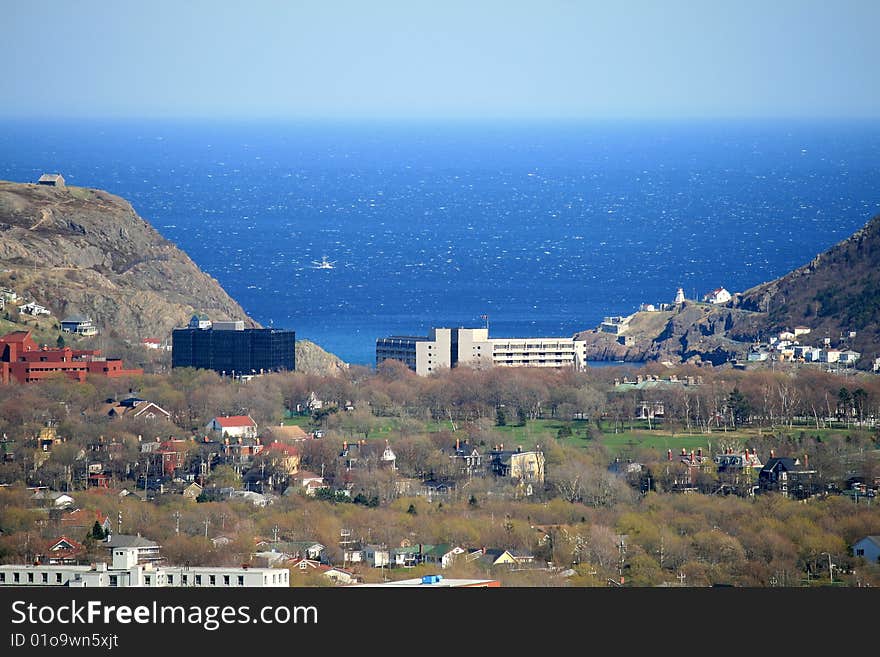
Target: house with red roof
718 295
233 426
81 521
285 456
62 550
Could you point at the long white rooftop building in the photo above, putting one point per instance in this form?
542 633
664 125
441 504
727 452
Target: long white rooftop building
450 347
125 571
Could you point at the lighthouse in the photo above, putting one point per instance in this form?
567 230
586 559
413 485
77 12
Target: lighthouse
679 296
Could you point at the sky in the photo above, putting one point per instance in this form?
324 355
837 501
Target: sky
440 59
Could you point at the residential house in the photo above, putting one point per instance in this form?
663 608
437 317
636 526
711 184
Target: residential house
787 475
849 357
442 555
333 573
497 557
868 549
62 550
377 556
307 482
801 330
284 456
233 426
738 470
79 324
52 499
829 355
718 295
285 433
134 406
468 459
33 308
257 499
192 491
406 556
516 464
8 295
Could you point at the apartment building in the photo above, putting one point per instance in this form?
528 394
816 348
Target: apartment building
448 347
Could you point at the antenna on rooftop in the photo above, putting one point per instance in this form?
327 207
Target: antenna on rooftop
486 318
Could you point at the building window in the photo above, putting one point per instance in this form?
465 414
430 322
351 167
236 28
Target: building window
860 552
212 579
184 579
2 577
198 580
241 580
226 580
114 580
147 580
170 580
30 578
58 578
15 577
45 578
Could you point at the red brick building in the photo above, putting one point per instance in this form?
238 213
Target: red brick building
23 361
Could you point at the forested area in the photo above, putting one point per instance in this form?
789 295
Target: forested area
593 520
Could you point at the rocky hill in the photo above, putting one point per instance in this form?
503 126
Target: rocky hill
838 292
835 293
85 251
692 331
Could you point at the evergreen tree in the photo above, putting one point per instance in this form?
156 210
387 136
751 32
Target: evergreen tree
739 406
98 532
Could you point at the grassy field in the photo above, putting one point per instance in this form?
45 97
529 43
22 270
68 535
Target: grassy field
634 435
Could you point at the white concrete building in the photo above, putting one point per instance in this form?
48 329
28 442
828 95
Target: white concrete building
445 347
125 571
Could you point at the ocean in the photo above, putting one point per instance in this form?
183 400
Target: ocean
545 227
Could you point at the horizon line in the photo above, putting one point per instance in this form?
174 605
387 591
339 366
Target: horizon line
452 118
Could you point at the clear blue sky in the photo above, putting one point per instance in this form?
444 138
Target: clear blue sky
440 58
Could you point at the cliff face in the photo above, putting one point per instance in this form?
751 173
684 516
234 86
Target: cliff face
690 332
85 251
78 250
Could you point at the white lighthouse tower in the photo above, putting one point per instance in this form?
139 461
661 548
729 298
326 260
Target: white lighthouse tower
679 297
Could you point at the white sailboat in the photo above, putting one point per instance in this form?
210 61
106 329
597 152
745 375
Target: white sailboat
323 263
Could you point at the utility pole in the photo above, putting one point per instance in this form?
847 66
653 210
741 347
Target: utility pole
207 522
830 568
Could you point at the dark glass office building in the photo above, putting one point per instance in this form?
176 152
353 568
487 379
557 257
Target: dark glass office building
241 352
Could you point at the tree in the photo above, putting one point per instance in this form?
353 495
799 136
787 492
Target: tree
739 406
98 532
60 342
500 417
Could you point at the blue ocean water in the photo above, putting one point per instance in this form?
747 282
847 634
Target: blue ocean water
545 227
